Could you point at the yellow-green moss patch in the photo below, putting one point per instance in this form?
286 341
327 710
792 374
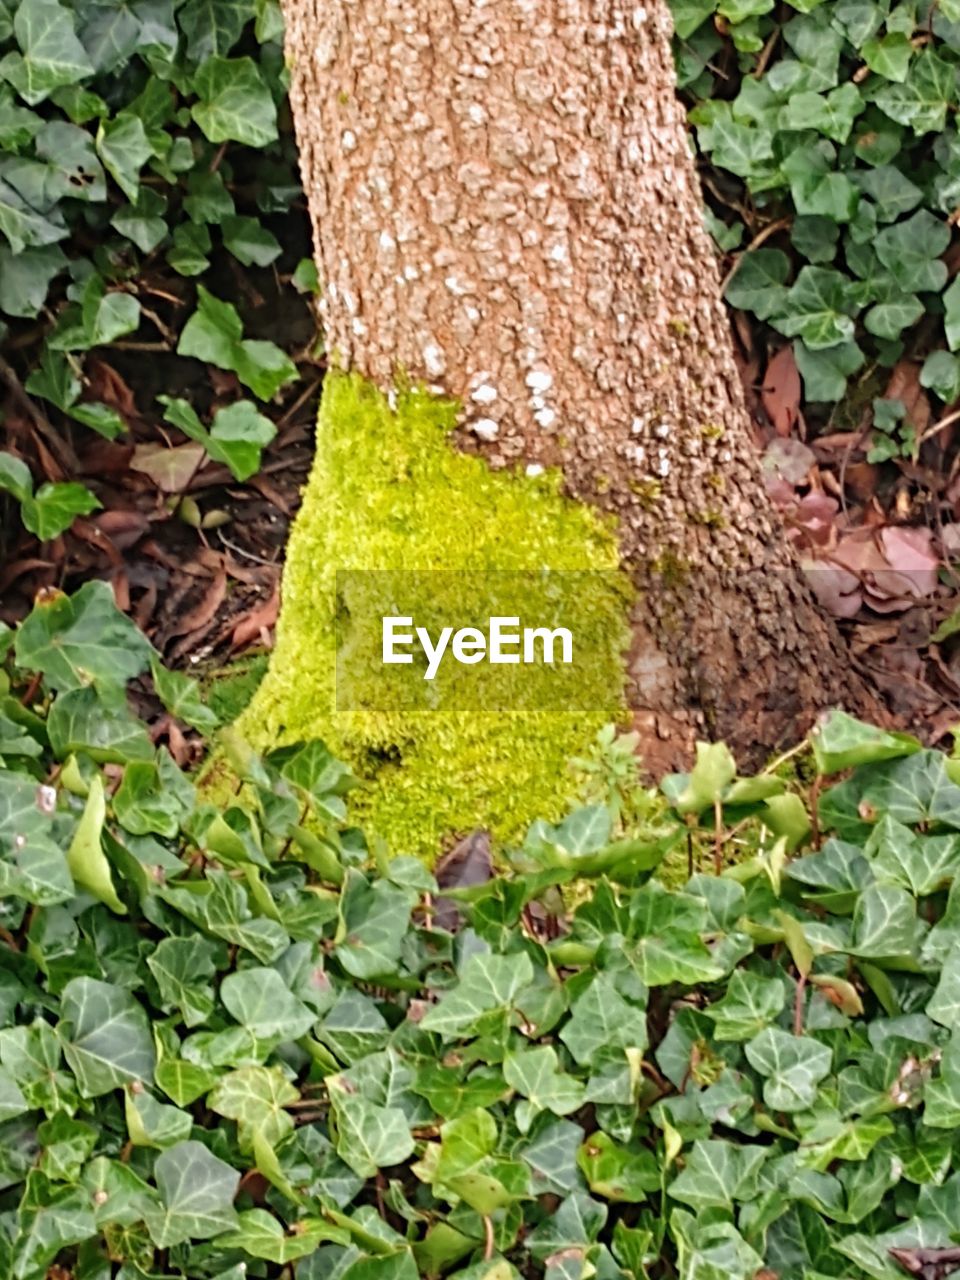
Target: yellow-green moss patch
389 491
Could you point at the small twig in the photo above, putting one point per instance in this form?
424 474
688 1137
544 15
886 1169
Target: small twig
247 555
64 454
769 230
798 1004
161 326
300 400
7 937
774 765
814 815
946 421
139 346
717 836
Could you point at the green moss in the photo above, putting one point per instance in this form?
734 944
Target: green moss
230 689
388 491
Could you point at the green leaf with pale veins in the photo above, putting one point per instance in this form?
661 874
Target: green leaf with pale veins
487 988
196 1196
260 1001
234 102
601 1019
50 53
749 1004
537 1076
255 1097
793 1067
369 1137
106 1036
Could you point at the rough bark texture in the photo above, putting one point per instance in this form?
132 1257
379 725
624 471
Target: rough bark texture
505 206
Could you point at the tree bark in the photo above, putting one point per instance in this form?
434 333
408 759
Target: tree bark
506 207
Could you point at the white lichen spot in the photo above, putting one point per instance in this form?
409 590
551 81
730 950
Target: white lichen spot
434 360
392 398
639 16
558 253
387 242
473 314
637 425
486 393
359 328
663 430
486 428
348 140
476 113
411 273
545 417
534 469
539 380
663 463
537 402
726 456
456 286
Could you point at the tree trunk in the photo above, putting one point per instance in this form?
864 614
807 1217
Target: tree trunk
505 207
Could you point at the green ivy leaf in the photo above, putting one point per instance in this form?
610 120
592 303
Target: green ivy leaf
106 1036
196 1196
234 103
50 53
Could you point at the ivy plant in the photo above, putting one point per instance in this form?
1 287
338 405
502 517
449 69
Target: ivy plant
834 120
122 127
239 1039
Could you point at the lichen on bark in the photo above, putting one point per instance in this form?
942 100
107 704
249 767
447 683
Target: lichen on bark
389 488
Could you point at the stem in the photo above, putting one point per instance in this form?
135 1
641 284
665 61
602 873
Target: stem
798 1004
488 1234
717 836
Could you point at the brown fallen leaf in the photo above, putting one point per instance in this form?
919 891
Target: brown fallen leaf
170 469
780 393
257 624
203 612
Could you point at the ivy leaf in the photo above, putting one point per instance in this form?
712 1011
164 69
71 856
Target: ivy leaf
536 1074
885 923
50 53
255 1098
181 697
124 148
794 1067
214 334
840 741
369 1137
50 1218
617 1173
259 1000
182 968
488 986
262 1236
749 1004
234 103
374 921
716 1173
250 242
54 507
75 639
601 1019
106 1036
196 1196
214 26
921 102
816 309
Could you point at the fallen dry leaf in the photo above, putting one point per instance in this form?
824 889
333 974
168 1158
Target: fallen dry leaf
780 393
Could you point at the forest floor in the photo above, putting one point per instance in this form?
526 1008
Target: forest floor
200 571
